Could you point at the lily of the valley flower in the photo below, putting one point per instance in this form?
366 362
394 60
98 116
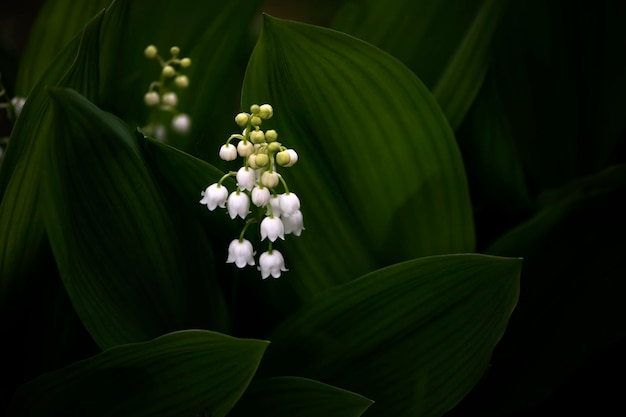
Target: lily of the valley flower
271 263
260 196
215 195
294 223
272 228
258 182
289 204
241 253
238 204
245 178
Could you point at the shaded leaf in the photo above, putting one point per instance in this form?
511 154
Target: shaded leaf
178 374
379 174
414 337
446 43
21 225
118 251
298 397
215 37
572 303
58 22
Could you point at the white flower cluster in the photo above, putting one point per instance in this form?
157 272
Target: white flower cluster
257 182
161 96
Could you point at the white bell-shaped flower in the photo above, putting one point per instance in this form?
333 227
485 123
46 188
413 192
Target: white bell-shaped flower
240 253
272 228
271 263
275 203
245 178
238 204
181 123
215 195
289 204
228 152
294 223
260 196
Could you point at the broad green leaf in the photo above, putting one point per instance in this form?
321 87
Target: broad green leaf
215 37
58 22
22 237
446 43
500 193
298 397
119 253
379 175
180 374
572 303
414 337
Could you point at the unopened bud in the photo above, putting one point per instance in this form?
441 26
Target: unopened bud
242 119
283 158
271 135
256 121
254 109
257 136
273 147
151 98
174 50
170 99
269 179
181 81
266 111
261 160
245 148
185 62
168 71
150 51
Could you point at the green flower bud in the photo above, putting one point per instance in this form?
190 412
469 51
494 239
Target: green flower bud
150 51
181 81
174 50
254 109
185 62
256 121
266 111
261 160
257 136
151 98
252 162
273 147
242 119
168 71
271 135
283 158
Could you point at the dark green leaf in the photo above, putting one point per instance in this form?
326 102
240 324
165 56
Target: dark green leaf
214 36
180 374
414 337
446 43
379 174
298 397
21 225
572 303
58 22
119 254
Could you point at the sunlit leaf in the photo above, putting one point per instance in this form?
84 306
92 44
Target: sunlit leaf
414 337
298 397
379 174
184 373
119 253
